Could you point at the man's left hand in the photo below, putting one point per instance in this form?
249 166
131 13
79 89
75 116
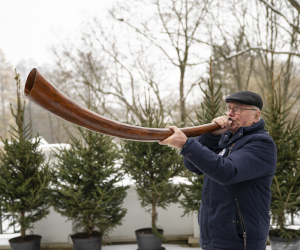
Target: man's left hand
177 140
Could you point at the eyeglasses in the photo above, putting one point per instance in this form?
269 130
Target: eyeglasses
236 111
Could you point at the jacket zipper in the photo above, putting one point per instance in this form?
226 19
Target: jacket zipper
239 212
230 149
242 223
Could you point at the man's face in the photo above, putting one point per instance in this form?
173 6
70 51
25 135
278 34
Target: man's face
245 119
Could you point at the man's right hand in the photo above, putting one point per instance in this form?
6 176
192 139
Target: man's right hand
223 122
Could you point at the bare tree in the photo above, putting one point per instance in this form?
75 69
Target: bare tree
249 42
170 28
117 71
152 44
233 67
283 20
6 93
94 65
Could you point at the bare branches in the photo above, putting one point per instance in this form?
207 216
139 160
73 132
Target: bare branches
153 40
161 49
256 48
295 4
244 50
281 14
171 30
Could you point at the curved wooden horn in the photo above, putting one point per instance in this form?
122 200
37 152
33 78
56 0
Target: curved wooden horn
39 90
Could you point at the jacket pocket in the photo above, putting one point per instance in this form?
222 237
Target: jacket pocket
203 221
223 222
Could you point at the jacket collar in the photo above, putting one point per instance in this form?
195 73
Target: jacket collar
228 137
249 130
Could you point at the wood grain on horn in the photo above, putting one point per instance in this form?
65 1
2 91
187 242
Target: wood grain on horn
39 90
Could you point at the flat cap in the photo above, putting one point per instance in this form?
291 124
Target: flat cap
246 97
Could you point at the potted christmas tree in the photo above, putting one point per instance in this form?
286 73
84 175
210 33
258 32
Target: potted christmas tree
24 180
286 182
87 187
152 167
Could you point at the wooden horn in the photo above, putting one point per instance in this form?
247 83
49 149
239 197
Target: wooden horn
39 90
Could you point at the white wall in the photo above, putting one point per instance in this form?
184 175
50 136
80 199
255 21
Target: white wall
170 220
55 229
196 226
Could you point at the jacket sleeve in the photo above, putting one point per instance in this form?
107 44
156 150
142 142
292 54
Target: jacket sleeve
255 159
207 140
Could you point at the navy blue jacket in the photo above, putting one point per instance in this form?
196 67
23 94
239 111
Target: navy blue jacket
238 173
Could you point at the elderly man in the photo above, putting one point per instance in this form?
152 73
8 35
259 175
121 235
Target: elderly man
238 162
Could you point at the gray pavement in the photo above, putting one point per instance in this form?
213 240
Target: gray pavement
4 243
167 246
134 247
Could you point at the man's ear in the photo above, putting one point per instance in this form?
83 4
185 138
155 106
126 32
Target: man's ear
256 116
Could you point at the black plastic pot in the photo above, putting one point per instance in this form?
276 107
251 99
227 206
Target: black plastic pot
81 243
282 244
147 240
32 242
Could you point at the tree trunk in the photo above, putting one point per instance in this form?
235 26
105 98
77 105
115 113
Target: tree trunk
22 226
3 108
51 128
153 213
90 226
182 99
280 220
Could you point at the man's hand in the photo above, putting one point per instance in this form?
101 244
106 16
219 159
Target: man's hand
223 122
177 140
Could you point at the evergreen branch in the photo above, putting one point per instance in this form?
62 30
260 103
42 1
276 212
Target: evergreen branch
290 191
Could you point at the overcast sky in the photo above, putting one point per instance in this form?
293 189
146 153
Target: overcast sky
28 28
